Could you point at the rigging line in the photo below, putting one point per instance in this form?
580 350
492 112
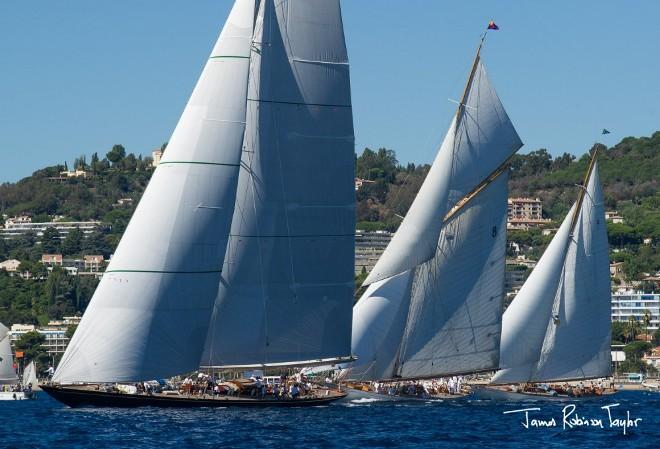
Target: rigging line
286 212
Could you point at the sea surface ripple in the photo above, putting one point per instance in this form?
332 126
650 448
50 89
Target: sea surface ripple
45 423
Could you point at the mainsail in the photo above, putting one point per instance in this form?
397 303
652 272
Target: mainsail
287 285
480 139
451 247
456 306
558 326
7 371
150 314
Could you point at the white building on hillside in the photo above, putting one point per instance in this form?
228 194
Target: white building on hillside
10 265
628 303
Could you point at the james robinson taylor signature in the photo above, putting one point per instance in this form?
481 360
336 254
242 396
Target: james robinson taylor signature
572 419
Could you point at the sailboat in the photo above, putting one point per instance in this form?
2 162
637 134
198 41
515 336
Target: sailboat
433 305
30 375
10 388
558 327
241 251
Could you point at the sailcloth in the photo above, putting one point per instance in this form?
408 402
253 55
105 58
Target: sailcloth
480 139
286 291
30 375
448 318
456 307
150 314
7 371
558 326
379 319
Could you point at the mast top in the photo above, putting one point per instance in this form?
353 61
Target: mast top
582 191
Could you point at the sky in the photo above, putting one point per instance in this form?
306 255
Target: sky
78 76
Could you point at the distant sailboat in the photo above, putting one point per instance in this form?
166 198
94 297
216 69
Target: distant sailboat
7 371
241 250
434 302
558 328
9 384
30 375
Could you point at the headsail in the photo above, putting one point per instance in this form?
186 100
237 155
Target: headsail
480 139
558 327
7 371
379 319
150 314
287 288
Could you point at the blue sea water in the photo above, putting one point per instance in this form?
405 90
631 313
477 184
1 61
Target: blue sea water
45 423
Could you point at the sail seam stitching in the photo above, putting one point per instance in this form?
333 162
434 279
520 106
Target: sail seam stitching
164 272
199 163
229 57
295 103
292 236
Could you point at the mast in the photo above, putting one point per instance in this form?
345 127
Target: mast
583 187
460 110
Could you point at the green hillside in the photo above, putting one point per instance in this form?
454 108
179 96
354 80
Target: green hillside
629 173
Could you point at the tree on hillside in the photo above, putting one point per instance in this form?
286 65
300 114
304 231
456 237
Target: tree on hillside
117 153
561 162
633 328
619 332
646 319
94 163
50 240
377 165
72 244
80 163
635 351
656 337
31 345
130 162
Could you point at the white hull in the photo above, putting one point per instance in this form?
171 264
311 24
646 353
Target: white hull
16 396
354 394
497 394
652 386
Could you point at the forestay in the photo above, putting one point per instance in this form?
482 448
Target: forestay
150 314
480 139
287 288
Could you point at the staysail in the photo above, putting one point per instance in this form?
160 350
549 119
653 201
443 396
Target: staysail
7 371
150 314
287 286
462 202
558 326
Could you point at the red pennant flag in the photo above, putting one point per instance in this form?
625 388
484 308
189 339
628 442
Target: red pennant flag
492 26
